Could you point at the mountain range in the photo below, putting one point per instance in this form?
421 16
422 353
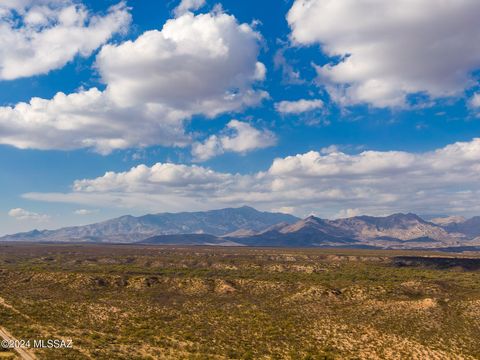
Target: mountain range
246 226
128 229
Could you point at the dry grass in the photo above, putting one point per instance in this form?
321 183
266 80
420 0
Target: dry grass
127 302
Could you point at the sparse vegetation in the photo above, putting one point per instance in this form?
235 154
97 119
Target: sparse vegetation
141 302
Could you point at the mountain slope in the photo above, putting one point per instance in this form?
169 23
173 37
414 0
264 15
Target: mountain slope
470 227
396 226
311 231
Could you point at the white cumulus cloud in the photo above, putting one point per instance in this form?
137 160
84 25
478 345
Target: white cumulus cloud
389 50
40 36
239 137
188 5
205 64
475 101
22 214
84 212
298 106
347 213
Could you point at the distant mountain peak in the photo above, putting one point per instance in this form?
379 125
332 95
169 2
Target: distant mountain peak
246 207
396 219
312 218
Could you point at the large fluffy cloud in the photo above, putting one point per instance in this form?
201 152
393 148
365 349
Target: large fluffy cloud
239 137
391 49
200 64
39 36
446 180
205 64
88 119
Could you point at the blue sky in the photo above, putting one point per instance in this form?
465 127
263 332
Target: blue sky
297 106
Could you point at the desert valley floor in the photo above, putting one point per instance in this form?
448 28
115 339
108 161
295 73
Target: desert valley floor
153 302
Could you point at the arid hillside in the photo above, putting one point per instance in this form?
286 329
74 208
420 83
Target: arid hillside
150 302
